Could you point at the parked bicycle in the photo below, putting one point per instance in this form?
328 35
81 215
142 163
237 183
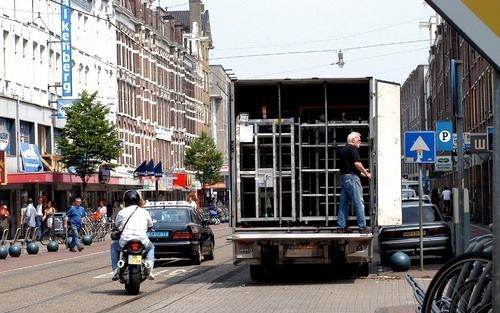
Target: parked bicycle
56 232
93 225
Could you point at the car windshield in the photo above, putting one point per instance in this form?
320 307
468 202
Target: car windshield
171 215
410 214
408 193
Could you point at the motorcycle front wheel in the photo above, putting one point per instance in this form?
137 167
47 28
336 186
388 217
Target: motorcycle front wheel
133 285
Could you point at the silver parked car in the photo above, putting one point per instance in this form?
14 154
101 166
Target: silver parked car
406 237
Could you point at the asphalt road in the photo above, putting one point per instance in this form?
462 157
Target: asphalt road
81 282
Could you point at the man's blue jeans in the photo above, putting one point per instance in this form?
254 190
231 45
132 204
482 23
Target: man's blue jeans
39 225
74 237
352 191
116 249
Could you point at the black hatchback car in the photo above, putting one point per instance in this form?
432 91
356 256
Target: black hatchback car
406 237
180 232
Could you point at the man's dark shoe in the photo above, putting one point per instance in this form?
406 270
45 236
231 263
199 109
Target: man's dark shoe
80 248
73 249
365 230
344 230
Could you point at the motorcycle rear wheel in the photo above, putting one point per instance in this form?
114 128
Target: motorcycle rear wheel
133 285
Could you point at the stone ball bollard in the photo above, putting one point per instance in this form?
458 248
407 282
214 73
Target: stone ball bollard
52 246
87 240
15 251
4 252
400 262
32 248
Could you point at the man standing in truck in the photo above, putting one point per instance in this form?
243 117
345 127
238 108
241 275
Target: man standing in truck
352 191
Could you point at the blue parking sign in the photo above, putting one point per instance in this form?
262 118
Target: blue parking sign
444 134
420 147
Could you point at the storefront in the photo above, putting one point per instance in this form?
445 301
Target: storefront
61 189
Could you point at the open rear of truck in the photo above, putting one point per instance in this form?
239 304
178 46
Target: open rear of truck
285 139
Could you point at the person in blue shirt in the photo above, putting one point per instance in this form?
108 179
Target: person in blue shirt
75 215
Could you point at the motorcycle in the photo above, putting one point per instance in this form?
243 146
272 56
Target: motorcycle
133 267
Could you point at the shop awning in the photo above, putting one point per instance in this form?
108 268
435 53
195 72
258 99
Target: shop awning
26 178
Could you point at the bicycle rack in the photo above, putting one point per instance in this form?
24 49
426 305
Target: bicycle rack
462 283
4 237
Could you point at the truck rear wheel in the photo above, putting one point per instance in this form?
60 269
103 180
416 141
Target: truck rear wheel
257 272
363 269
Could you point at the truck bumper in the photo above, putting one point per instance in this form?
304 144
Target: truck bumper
310 248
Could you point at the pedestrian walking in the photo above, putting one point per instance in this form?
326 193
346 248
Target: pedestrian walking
28 219
351 169
435 199
103 210
48 214
446 197
40 208
74 216
4 217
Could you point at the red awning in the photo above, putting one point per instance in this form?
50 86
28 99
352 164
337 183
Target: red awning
26 178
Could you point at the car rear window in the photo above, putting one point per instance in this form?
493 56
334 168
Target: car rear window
410 214
408 193
169 215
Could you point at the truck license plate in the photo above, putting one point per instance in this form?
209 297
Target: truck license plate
414 233
135 259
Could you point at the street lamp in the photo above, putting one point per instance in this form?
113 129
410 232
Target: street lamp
340 62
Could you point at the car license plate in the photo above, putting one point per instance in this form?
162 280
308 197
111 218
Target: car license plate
134 259
155 234
413 233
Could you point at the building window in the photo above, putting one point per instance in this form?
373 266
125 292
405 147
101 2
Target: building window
44 140
4 53
26 132
57 134
17 44
35 51
7 126
25 47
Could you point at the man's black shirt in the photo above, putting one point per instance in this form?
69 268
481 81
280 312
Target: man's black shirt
348 156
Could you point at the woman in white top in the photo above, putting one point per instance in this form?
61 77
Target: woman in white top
103 209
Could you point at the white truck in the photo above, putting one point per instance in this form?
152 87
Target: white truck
285 135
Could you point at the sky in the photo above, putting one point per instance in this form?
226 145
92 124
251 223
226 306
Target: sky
385 39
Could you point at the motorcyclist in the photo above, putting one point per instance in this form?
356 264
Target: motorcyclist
136 227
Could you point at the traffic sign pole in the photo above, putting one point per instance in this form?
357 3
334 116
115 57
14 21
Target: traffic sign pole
496 192
460 236
421 216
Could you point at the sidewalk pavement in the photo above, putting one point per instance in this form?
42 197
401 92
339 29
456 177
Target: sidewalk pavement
44 257
426 275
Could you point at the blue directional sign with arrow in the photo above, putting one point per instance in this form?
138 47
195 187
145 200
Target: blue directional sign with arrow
420 147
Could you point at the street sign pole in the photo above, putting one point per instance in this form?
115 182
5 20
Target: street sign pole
460 237
420 216
496 192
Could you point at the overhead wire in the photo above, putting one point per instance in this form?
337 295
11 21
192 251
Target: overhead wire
151 54
319 51
350 61
324 40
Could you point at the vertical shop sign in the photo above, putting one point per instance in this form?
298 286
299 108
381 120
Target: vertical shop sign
67 80
3 168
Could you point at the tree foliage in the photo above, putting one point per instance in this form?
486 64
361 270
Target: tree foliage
88 139
203 157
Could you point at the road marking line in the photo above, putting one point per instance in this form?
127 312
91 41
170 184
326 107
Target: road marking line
158 273
110 274
52 262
